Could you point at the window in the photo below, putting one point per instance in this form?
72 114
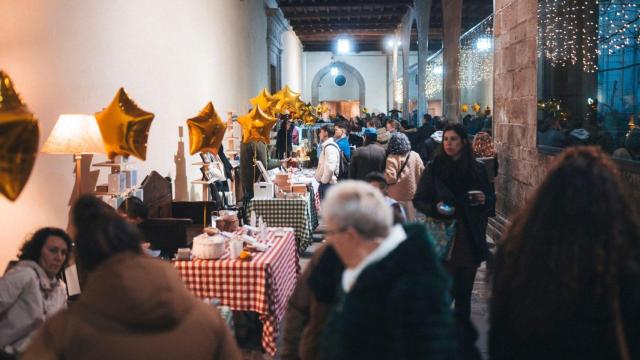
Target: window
589 75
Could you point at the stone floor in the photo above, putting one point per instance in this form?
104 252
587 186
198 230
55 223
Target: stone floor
250 344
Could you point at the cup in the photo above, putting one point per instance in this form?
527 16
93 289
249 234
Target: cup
446 209
473 196
235 248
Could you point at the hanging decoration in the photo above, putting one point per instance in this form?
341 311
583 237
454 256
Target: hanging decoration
206 131
434 80
567 32
124 127
476 54
256 125
19 134
619 25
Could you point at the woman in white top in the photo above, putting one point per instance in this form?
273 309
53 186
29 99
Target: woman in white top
31 292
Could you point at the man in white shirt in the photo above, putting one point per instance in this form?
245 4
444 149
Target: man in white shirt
395 294
328 162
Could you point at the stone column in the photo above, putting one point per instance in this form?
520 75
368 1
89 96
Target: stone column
394 72
276 26
405 31
422 13
451 24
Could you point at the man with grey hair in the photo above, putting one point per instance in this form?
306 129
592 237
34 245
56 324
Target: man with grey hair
395 299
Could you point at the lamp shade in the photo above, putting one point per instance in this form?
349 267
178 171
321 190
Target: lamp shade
75 134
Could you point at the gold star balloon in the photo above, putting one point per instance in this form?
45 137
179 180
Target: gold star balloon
206 131
124 127
287 100
256 126
265 101
464 108
19 135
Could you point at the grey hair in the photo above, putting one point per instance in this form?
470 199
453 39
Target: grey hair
358 205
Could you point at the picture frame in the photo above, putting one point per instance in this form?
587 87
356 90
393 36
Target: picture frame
263 171
205 157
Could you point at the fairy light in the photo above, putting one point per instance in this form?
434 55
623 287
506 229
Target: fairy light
476 54
434 73
619 25
567 32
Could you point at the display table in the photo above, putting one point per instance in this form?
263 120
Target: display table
262 285
300 214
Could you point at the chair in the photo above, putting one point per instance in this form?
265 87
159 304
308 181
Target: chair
166 234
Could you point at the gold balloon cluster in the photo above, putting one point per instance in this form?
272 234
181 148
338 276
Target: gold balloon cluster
257 124
124 127
19 135
206 130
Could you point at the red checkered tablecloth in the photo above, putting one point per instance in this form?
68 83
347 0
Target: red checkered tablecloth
263 284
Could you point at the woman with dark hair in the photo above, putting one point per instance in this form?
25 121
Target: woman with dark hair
455 179
31 291
567 274
132 306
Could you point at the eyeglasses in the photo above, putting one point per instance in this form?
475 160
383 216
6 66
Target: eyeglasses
334 232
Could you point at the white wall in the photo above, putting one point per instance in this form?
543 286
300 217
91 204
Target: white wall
329 91
292 61
371 65
172 57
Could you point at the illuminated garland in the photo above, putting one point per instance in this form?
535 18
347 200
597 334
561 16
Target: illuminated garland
476 54
433 83
619 25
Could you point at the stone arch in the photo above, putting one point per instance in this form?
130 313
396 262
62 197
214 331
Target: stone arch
343 66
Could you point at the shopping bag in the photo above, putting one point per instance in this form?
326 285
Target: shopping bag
442 233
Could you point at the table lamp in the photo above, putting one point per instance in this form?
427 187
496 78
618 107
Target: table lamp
75 134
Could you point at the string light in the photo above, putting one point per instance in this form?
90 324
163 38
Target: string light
567 32
476 54
619 25
434 72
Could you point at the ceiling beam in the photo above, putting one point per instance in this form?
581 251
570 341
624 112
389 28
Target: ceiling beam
340 15
344 4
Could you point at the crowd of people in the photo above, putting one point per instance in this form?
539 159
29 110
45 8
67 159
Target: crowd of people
565 279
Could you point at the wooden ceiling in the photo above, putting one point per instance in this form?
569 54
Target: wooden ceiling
368 22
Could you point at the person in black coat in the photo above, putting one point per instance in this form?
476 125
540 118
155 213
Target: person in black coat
393 301
368 158
448 179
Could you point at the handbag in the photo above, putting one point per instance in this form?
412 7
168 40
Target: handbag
442 234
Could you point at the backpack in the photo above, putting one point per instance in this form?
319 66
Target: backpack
343 164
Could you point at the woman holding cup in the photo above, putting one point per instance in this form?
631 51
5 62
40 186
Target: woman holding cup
456 186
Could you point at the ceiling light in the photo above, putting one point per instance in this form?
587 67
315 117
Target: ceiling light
334 71
344 46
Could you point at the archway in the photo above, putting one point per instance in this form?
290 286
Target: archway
342 68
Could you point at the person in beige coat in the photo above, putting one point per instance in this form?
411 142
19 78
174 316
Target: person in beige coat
132 306
328 162
402 172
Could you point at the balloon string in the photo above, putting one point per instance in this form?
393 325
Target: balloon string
255 159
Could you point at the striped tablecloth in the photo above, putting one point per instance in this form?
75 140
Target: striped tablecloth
300 214
263 284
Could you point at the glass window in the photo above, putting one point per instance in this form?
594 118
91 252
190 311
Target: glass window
589 75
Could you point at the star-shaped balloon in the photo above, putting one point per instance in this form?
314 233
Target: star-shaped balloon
287 100
206 131
265 101
124 127
256 126
19 135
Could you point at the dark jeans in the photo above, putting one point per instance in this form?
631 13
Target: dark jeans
322 190
463 278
